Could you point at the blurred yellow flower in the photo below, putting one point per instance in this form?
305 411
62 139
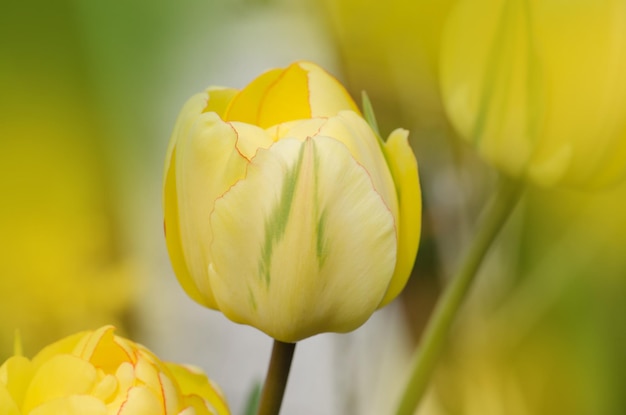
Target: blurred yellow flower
284 210
97 372
538 87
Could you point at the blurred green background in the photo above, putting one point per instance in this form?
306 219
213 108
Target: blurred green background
89 92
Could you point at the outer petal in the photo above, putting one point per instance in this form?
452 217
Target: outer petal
141 401
302 90
318 227
353 131
219 99
15 375
204 165
403 168
71 405
214 99
8 405
103 350
194 384
59 377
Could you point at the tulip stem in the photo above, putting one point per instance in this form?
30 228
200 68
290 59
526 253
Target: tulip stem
276 380
426 355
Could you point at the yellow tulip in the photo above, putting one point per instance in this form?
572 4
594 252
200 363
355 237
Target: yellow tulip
538 87
284 210
99 373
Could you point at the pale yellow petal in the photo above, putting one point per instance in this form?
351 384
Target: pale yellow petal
61 376
317 250
403 168
186 119
353 131
206 164
71 405
250 138
219 99
327 97
141 401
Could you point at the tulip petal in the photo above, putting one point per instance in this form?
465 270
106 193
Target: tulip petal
16 373
354 132
205 164
327 96
302 90
66 345
403 168
61 376
318 227
244 107
102 350
194 384
219 99
250 138
8 405
141 401
71 405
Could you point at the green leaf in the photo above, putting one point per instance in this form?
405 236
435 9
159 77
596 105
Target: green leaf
368 113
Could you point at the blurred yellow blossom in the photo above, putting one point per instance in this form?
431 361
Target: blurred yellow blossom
63 259
538 87
284 210
97 372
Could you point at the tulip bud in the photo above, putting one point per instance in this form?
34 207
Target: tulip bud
284 210
538 87
98 373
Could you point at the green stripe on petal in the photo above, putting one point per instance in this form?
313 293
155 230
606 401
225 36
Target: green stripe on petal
332 238
276 223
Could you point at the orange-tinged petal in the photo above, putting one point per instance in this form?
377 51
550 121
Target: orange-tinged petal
318 227
403 168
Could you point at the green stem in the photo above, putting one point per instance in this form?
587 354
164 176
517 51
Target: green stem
276 380
427 354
